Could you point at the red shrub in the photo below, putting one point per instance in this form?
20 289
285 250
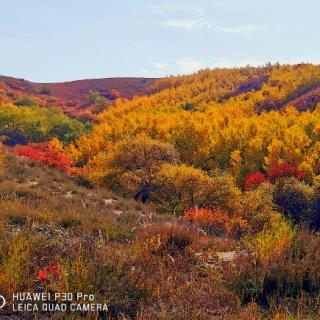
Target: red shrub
253 180
212 221
42 275
284 170
43 152
52 271
217 222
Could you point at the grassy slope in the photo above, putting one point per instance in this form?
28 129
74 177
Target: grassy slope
101 247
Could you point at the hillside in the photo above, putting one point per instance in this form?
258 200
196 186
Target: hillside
273 88
215 117
79 89
61 234
46 218
199 200
72 96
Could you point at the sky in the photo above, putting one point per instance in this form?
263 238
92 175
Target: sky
61 40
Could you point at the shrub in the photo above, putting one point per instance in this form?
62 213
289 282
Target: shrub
46 90
273 242
253 180
284 269
284 170
15 263
135 163
100 102
257 207
49 273
26 101
216 222
274 173
180 187
38 124
162 239
213 222
295 199
45 153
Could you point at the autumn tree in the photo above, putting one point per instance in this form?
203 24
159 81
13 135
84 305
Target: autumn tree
46 90
135 163
38 124
295 199
179 187
101 103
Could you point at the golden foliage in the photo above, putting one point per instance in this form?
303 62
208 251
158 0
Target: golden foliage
222 128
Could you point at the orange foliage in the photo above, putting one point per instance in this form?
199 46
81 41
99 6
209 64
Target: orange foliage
216 221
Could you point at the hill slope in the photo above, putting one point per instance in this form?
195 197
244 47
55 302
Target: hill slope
219 119
72 96
229 171
79 89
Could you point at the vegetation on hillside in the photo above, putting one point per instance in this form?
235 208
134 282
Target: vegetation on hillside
228 134
31 123
225 170
72 97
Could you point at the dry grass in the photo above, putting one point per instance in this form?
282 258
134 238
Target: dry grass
144 266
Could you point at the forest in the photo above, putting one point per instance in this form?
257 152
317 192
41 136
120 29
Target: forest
197 200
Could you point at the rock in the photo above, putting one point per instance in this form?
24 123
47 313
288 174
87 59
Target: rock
32 183
69 194
228 256
108 201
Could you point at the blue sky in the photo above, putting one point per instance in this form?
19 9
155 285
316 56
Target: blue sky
58 40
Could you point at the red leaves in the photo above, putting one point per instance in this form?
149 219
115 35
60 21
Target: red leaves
253 180
52 271
43 152
284 170
278 171
42 275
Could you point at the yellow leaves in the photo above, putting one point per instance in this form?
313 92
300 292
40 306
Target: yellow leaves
273 242
235 158
56 144
235 164
209 138
193 142
316 129
182 178
215 132
296 142
97 167
72 152
254 153
14 270
307 170
275 153
180 187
